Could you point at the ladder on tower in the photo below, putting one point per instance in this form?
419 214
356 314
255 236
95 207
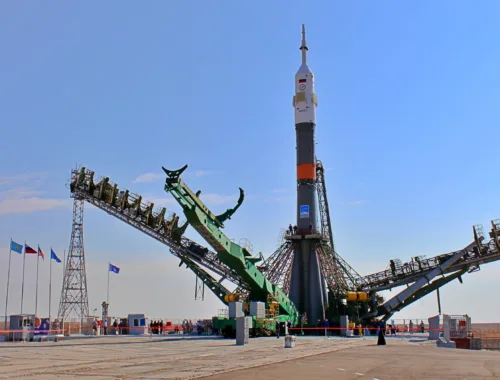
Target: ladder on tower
351 277
281 237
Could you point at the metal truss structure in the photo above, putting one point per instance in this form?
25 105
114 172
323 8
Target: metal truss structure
339 275
74 297
346 277
475 254
131 209
420 275
278 266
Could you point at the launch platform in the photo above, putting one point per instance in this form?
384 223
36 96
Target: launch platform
119 357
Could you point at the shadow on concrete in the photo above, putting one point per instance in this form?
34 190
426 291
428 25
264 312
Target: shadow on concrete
418 340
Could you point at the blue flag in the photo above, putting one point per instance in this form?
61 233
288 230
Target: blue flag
113 269
54 257
16 247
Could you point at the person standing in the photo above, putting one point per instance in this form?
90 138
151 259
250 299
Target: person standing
277 329
326 325
105 326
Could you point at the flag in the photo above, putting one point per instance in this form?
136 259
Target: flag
40 253
28 249
302 80
54 257
113 269
16 247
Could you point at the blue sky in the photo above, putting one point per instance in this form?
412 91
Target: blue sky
407 126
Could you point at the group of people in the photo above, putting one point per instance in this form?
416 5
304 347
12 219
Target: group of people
186 327
102 325
373 328
295 231
392 328
411 327
156 327
278 327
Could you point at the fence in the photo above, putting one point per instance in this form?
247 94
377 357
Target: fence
486 330
30 327
485 344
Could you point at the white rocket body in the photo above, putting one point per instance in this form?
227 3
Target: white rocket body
305 100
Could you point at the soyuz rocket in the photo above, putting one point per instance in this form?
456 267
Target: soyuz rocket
307 287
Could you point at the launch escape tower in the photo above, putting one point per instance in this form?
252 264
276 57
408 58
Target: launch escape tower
74 299
304 274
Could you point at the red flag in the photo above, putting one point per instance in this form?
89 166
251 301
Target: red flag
28 249
40 253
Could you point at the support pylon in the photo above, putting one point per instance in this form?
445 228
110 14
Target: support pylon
74 298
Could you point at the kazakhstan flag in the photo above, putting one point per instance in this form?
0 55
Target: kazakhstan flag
16 247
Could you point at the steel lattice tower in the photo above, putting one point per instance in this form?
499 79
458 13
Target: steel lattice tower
74 298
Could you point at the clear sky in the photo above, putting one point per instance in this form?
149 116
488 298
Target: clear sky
408 125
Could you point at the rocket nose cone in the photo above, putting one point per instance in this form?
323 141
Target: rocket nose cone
304 69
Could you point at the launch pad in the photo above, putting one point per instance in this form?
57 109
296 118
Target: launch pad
124 357
305 280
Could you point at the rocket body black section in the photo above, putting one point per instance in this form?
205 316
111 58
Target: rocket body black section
306 187
307 287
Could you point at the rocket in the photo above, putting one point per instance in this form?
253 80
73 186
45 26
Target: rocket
305 103
307 287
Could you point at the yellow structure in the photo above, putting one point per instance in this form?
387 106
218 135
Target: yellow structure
356 296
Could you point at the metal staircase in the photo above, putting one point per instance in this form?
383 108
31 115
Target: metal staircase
335 266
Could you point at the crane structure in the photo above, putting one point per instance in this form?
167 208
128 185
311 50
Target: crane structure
256 278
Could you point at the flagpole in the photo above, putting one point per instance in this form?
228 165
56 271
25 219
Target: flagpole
8 283
22 287
36 296
107 298
50 286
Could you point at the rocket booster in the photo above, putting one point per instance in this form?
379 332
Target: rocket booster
305 103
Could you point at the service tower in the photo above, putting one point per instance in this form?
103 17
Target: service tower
307 286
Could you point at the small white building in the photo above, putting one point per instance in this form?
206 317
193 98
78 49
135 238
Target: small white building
21 327
138 324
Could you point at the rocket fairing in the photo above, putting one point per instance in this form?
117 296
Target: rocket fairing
307 286
305 100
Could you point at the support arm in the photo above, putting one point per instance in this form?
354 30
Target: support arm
435 285
230 211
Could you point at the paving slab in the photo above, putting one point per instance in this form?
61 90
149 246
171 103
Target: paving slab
151 358
105 358
399 360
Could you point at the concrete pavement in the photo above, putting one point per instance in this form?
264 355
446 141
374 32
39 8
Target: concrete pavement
122 357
